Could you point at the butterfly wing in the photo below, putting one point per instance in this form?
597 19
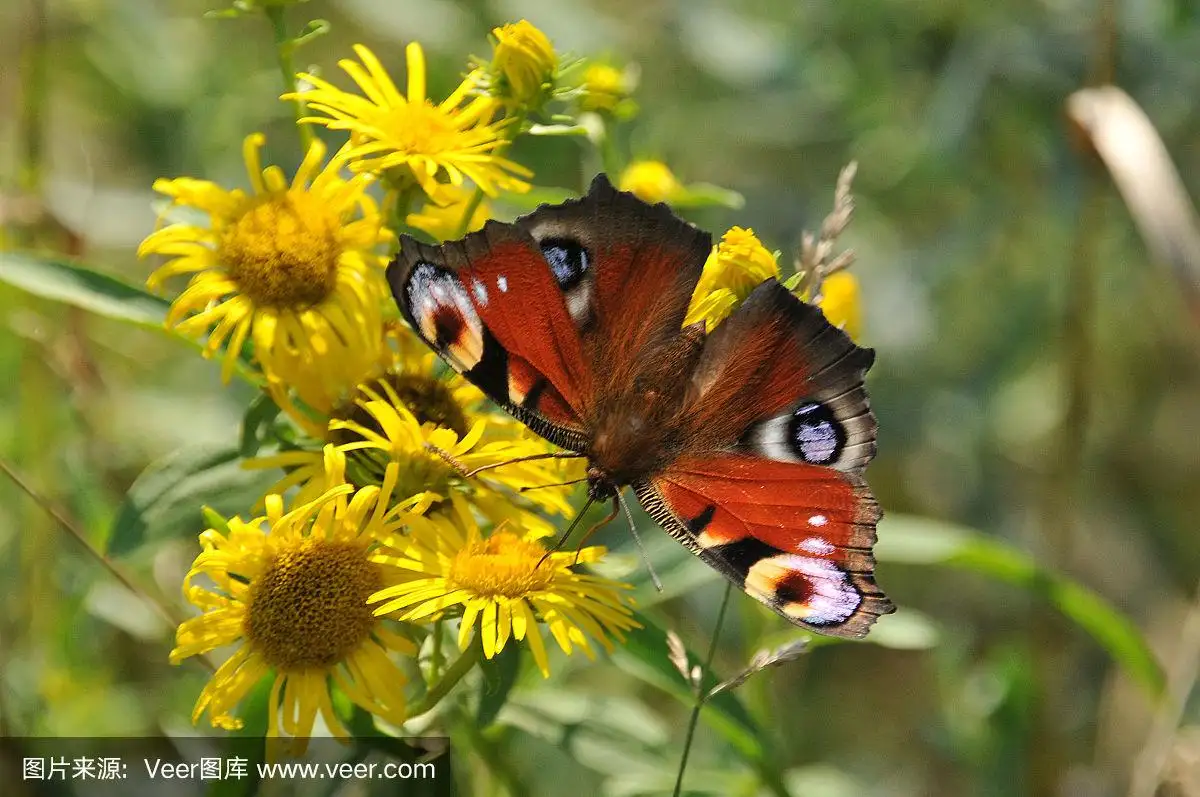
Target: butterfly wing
546 313
769 490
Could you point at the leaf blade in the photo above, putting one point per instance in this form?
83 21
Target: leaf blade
79 286
922 541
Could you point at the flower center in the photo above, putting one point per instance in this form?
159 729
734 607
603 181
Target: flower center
309 610
503 564
283 250
421 129
429 399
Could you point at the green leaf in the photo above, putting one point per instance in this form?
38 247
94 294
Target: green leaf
705 195
261 413
922 541
499 676
315 28
166 500
644 655
79 286
605 733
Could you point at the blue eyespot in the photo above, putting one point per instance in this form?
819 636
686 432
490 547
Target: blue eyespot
568 260
815 435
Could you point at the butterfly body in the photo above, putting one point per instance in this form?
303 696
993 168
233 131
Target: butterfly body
746 444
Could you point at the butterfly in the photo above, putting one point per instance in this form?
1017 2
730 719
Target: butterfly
746 443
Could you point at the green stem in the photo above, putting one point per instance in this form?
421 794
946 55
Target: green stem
283 56
464 223
609 158
27 191
453 674
404 198
493 757
163 611
1048 754
511 133
701 697
436 659
33 94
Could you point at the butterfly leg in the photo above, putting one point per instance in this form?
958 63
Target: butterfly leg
566 534
611 516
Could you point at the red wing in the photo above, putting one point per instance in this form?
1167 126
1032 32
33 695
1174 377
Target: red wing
777 429
795 536
545 314
777 379
491 307
630 307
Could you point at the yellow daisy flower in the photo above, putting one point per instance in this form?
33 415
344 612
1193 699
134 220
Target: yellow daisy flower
294 599
291 266
438 425
506 584
650 180
524 66
443 213
736 265
406 136
436 458
840 302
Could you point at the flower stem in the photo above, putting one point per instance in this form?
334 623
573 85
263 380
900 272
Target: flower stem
464 223
283 55
609 158
511 133
74 531
33 91
453 674
701 696
402 202
436 659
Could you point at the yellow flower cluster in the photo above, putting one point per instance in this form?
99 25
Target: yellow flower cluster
328 595
388 534
390 530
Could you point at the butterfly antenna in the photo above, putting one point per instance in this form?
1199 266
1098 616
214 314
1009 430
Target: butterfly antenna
528 458
467 473
637 538
556 484
575 522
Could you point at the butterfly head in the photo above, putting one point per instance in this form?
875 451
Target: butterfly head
601 486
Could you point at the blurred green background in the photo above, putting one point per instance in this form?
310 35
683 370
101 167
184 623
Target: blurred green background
1037 377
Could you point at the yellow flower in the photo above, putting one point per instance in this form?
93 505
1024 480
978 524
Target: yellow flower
607 89
435 426
295 600
407 137
840 302
651 181
434 458
442 215
735 267
292 266
523 68
506 584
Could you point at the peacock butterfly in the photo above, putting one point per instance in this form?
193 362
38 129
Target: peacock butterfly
747 444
